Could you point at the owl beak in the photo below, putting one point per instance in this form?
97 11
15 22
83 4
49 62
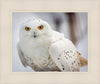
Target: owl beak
34 35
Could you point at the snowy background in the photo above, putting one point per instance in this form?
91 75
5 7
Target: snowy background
72 25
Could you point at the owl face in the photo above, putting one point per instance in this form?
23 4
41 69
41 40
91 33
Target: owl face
35 29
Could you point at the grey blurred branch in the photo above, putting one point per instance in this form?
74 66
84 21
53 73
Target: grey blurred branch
58 23
72 21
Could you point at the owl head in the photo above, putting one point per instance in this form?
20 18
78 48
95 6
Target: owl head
34 28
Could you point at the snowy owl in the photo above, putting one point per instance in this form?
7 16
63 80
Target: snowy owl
44 49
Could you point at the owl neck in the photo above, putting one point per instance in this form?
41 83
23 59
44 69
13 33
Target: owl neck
53 37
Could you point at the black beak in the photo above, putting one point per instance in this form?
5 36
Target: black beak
34 35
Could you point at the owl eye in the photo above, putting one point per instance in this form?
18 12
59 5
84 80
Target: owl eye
27 28
40 27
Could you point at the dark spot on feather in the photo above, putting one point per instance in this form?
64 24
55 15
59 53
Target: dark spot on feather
67 51
66 57
63 68
58 58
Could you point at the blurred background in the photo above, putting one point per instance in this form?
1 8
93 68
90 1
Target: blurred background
72 25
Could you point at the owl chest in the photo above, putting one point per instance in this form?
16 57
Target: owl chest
36 55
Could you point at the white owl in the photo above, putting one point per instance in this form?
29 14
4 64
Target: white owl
44 49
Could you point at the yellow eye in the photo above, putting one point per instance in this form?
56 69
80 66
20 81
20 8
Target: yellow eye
40 27
27 28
